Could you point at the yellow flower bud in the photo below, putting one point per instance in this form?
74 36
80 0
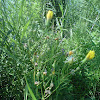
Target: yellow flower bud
53 72
70 52
49 15
90 55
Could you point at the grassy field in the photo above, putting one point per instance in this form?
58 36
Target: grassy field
50 49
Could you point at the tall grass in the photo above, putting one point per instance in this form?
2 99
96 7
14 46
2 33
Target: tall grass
36 60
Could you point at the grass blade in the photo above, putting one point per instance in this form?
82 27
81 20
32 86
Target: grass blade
30 91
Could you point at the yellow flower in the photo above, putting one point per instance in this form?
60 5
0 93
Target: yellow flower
90 55
70 53
49 15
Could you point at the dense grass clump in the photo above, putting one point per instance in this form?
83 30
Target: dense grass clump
50 50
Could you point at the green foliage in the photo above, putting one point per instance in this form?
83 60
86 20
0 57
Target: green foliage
34 58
